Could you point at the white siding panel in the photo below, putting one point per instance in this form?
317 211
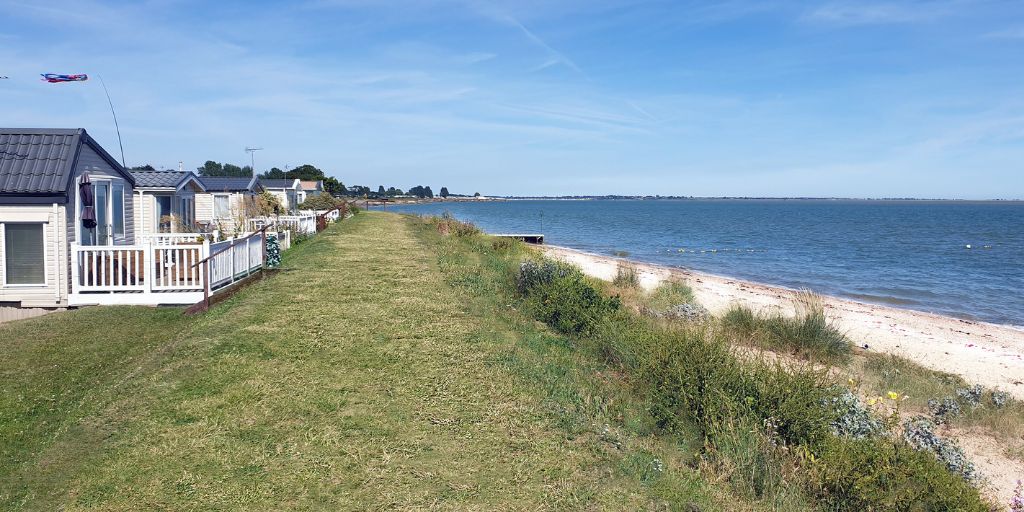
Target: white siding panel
54 292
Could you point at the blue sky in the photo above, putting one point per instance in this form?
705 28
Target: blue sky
817 98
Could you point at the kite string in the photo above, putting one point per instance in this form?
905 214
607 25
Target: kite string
112 113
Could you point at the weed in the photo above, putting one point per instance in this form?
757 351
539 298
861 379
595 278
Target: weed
626 276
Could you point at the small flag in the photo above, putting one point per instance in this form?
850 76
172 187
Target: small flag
56 79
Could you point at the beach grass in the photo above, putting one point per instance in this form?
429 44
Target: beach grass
809 333
626 276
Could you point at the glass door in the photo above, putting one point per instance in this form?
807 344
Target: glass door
103 233
164 215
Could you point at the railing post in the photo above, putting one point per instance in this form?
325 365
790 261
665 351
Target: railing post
204 254
231 253
75 268
150 257
206 288
263 246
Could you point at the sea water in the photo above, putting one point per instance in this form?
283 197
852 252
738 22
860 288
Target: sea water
958 258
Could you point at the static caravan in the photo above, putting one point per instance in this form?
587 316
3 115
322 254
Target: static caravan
286 191
165 202
58 187
310 188
226 203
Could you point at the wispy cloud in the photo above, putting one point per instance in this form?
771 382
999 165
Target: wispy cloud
877 13
1009 33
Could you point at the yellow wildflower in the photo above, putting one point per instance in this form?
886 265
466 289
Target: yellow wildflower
871 401
893 395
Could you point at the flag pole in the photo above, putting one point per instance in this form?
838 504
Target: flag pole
112 113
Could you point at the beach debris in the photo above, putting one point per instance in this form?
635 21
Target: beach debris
56 79
920 433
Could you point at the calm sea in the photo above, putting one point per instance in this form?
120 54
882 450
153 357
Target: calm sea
911 254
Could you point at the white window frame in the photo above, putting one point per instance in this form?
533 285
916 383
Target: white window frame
46 256
125 196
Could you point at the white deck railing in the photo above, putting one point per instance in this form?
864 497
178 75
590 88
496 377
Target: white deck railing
299 223
176 238
157 272
235 259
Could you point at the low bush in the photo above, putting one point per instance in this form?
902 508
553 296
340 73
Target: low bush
626 276
560 295
920 433
448 225
668 295
880 473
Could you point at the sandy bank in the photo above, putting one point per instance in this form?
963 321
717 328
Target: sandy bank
983 353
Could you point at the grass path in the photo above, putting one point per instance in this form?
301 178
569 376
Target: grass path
356 378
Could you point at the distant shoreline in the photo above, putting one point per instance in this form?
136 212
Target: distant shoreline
405 201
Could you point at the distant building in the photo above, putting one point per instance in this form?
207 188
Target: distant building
310 188
166 201
227 202
286 191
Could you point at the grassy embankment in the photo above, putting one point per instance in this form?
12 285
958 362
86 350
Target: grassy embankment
355 378
389 366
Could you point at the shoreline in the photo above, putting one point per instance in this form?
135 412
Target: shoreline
980 352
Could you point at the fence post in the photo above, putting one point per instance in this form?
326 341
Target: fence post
248 264
204 276
263 247
206 288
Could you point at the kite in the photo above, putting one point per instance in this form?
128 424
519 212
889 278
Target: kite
56 79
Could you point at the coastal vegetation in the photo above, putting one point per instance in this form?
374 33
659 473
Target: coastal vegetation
772 431
400 362
809 333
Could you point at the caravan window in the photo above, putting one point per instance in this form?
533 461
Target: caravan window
221 207
24 254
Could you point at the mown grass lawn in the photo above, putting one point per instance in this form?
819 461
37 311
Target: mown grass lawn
356 378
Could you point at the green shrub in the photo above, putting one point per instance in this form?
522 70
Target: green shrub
668 295
560 296
886 474
446 224
502 244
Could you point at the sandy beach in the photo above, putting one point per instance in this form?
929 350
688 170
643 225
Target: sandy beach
988 354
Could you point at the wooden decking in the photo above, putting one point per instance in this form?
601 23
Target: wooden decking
530 238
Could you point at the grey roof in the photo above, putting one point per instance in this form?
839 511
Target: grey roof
277 183
160 179
230 183
40 161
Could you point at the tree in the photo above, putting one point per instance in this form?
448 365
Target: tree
444 192
427 192
334 187
274 174
211 168
476 194
144 167
381 191
305 172
392 191
417 191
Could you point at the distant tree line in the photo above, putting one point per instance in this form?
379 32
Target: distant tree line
310 172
